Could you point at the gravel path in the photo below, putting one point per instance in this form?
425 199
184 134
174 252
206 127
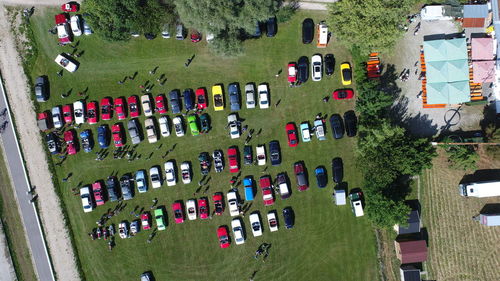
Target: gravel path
19 93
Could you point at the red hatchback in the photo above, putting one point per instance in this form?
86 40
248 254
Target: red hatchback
70 7
97 191
218 204
291 132
145 221
343 94
132 106
203 208
292 72
160 104
92 112
67 113
178 212
267 192
106 109
116 130
232 155
120 110
223 237
201 98
69 138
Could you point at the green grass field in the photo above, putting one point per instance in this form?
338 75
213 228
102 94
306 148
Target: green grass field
327 242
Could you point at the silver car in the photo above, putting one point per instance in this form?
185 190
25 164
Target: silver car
133 130
56 117
250 95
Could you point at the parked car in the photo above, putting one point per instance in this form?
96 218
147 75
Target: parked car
79 111
195 36
305 132
179 32
87 141
67 113
218 160
316 68
247 155
250 95
146 105
155 176
223 237
69 138
203 208
234 96
150 130
76 27
357 204
134 227
145 221
218 203
288 215
300 176
53 143
239 235
64 34
337 170
350 121
267 192
291 132
188 99
160 219
233 125
87 202
232 156
232 202
140 181
133 130
123 230
57 117
343 94
248 186
193 125
218 98
67 62
329 64
175 103
204 159
319 129
106 110
111 189
346 73
303 70
272 222
133 109
307 31
186 172
170 176
86 27
260 151
275 153
92 110
41 89
70 7
201 98
179 128
271 27
191 209
205 123
178 212
126 187
116 131
98 194
292 73
283 188
255 224
160 105
165 33
337 126
320 173
164 127
263 96
102 136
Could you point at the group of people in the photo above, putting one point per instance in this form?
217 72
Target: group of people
262 250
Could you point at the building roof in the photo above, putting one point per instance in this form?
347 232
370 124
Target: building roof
482 48
411 251
483 71
435 12
476 11
448 93
413 223
409 273
445 49
473 22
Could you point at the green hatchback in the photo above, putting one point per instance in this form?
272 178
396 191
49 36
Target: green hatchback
160 219
193 125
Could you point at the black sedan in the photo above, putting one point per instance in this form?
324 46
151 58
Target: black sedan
274 151
307 31
337 170
350 121
288 215
303 70
337 126
174 101
329 64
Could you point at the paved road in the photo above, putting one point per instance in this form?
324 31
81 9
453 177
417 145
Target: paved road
6 266
39 253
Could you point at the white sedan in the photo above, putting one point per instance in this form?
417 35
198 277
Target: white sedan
250 94
88 204
261 155
150 130
146 105
179 129
239 236
316 67
186 172
320 129
255 224
76 27
234 127
164 129
272 221
155 176
79 112
191 209
56 117
170 173
263 96
65 62
232 202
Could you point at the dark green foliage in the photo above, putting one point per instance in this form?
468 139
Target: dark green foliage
286 12
385 212
462 157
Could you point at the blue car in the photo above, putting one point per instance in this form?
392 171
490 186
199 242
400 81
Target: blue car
188 99
248 184
140 181
234 97
102 136
320 176
87 143
175 103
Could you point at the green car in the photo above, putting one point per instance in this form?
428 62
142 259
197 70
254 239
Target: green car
193 125
160 221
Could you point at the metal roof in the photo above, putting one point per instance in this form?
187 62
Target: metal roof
476 11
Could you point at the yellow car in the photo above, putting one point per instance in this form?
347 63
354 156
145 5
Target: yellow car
218 98
346 73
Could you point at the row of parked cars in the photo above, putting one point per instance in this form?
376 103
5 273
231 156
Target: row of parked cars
298 72
70 26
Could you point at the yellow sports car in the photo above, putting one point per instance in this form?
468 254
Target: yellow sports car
346 74
218 98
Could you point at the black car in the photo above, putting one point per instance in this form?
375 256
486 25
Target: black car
350 121
302 70
288 215
337 170
320 176
175 103
53 143
274 151
41 89
126 188
188 99
337 126
272 27
149 36
329 64
257 33
111 188
234 96
247 155
204 159
307 31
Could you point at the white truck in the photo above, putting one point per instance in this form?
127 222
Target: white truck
488 219
480 189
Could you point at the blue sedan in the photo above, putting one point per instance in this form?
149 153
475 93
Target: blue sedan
102 136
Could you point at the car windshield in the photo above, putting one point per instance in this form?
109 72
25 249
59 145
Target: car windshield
218 100
256 226
201 99
347 74
342 94
78 113
105 109
178 214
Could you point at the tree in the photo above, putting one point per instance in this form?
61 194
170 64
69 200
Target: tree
462 157
373 25
372 104
384 212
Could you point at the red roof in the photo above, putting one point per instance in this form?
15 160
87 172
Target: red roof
411 251
473 22
61 18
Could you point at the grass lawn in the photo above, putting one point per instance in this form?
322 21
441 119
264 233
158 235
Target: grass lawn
327 242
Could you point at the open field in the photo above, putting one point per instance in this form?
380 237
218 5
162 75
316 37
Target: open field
327 242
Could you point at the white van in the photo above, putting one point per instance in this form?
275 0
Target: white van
179 32
356 204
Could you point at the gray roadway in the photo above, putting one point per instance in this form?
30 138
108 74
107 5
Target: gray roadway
43 267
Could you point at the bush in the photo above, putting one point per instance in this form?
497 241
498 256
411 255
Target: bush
286 12
462 157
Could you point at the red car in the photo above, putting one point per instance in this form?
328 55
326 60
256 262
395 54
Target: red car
343 94
218 204
145 219
69 138
67 113
132 106
195 37
300 176
267 192
116 130
97 191
232 155
223 237
291 132
119 108
106 109
160 104
292 72
92 112
203 208
70 7
201 98
178 212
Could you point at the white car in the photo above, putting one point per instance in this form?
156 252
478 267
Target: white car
86 28
164 129
316 68
186 172
166 31
79 112
250 94
155 176
179 129
76 26
170 173
232 202
272 221
56 117
255 224
123 230
261 155
88 204
239 236
209 37
150 130
63 31
65 62
263 96
191 209
305 132
319 129
233 124
146 105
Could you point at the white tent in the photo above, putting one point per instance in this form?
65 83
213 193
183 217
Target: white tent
340 197
434 12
